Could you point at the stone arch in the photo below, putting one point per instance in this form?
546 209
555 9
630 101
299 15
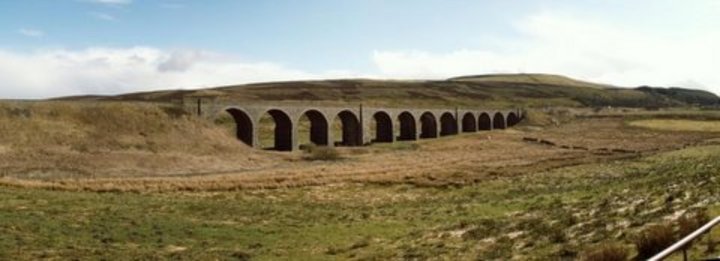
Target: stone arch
428 126
319 128
283 130
350 129
244 127
408 128
485 122
448 124
512 119
469 123
499 121
383 127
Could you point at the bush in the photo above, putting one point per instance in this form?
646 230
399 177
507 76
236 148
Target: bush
653 240
606 252
322 153
690 222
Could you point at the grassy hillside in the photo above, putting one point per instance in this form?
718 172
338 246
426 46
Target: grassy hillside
87 139
545 79
509 90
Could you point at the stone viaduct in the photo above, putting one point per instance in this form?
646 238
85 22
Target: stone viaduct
388 124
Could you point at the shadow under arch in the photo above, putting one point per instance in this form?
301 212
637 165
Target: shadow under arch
469 123
428 126
485 122
244 128
319 127
448 124
512 119
499 121
283 130
383 127
408 128
350 129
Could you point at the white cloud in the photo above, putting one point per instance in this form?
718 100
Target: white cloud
52 73
549 42
578 47
31 32
103 16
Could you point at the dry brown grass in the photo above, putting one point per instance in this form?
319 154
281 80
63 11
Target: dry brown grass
690 222
654 239
450 161
606 252
321 153
60 139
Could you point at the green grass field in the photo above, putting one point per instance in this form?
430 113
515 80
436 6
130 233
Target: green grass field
539 215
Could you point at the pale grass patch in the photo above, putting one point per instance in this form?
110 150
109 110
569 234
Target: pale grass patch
678 125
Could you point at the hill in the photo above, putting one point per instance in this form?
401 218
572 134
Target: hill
497 90
88 139
544 79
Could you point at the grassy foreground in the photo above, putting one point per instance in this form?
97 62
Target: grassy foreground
545 215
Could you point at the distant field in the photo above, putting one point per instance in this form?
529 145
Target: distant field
678 125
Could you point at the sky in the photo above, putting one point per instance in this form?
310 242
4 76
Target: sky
51 48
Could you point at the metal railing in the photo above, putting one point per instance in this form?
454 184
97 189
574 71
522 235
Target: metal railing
683 242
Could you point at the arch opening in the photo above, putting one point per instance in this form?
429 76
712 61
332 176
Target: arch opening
512 119
383 127
484 122
282 130
448 125
313 127
428 126
499 121
469 124
351 133
244 128
408 130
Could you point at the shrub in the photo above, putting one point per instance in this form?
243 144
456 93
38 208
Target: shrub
653 240
322 153
690 222
556 235
605 252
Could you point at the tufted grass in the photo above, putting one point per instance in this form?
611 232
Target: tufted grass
544 214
